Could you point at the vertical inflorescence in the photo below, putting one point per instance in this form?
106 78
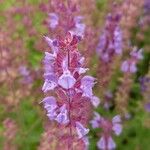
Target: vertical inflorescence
111 40
68 91
64 69
110 46
128 67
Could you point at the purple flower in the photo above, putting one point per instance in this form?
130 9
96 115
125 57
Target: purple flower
82 70
147 107
52 44
53 20
27 78
118 40
64 69
96 120
129 65
117 127
85 139
95 101
23 71
137 54
110 41
81 130
49 84
62 117
87 83
106 143
67 81
79 27
50 105
144 83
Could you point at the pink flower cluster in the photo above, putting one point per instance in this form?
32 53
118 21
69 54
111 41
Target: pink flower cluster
64 74
108 127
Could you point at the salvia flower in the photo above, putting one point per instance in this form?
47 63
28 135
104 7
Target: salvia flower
26 75
108 127
64 18
129 65
64 75
53 20
110 41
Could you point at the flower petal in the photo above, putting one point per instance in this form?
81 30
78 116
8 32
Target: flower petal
117 128
111 144
95 101
81 131
67 81
101 144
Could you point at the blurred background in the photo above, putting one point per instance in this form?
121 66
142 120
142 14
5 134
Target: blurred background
23 23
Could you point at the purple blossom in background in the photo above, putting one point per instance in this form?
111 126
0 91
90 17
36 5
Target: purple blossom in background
25 73
79 28
147 107
53 20
129 65
108 97
144 83
108 127
110 42
147 6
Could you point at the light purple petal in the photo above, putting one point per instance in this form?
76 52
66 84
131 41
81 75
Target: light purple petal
62 117
96 121
48 85
53 19
111 144
87 83
50 42
52 115
95 101
117 128
50 105
101 144
125 66
49 57
81 131
136 53
118 40
147 107
67 81
49 100
86 142
133 67
23 70
81 61
140 55
82 70
116 119
51 77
